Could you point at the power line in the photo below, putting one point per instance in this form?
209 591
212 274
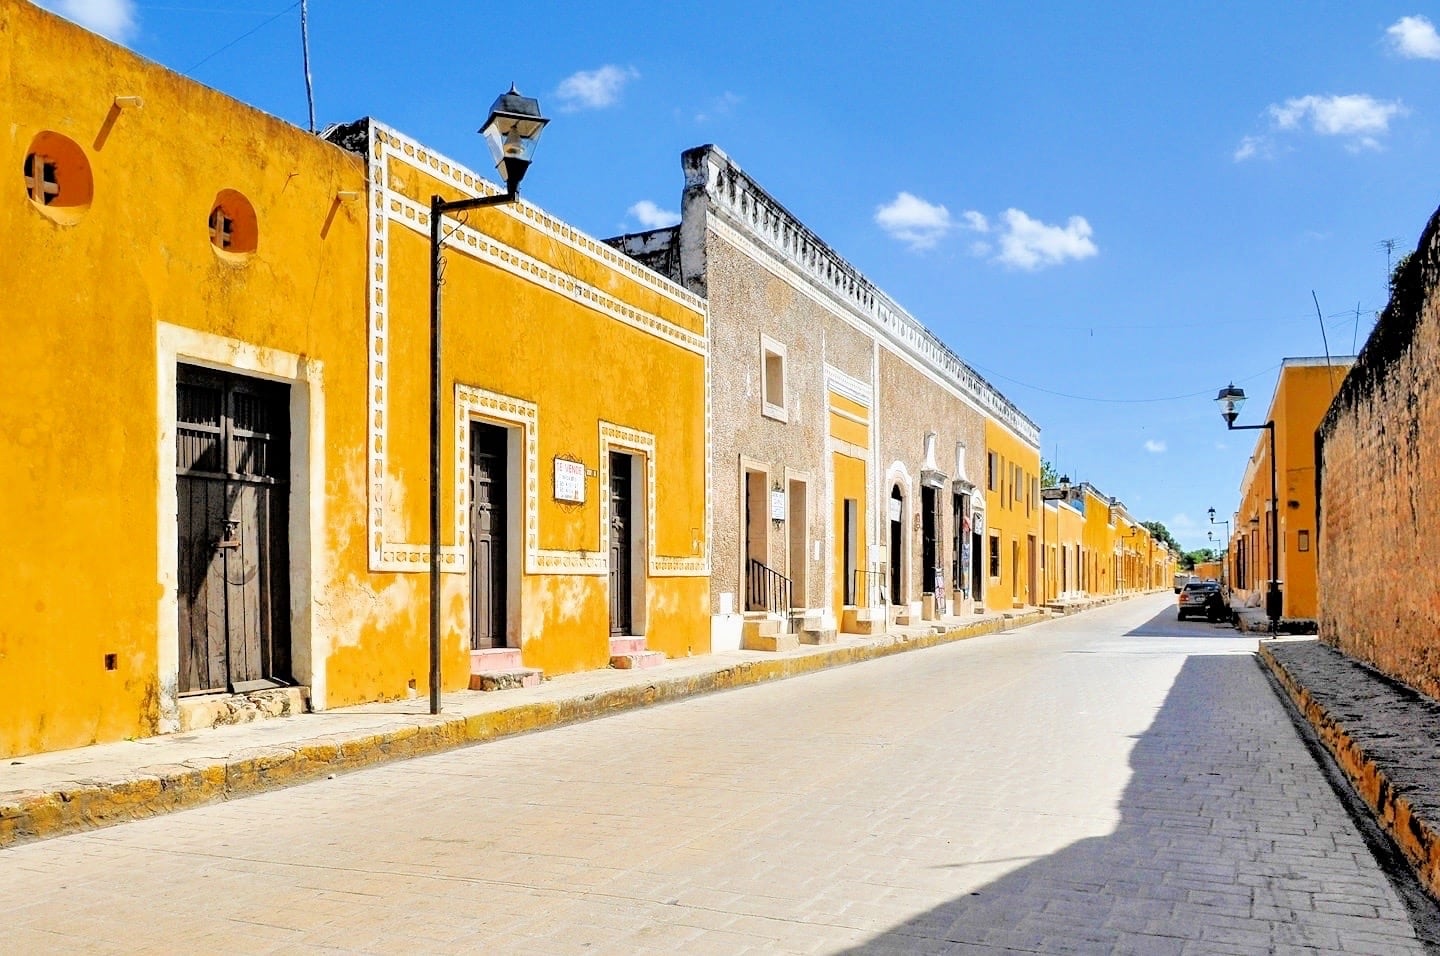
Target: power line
1113 401
242 36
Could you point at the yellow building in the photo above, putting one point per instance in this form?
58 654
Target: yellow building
1012 516
213 437
1302 395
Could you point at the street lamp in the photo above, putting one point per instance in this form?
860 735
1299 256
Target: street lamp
511 131
1225 551
1229 401
1059 493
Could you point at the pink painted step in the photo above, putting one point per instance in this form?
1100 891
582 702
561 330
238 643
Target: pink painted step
499 668
629 653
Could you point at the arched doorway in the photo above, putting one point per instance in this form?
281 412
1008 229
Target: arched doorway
897 544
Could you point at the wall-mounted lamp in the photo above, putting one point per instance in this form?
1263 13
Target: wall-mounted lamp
347 195
129 102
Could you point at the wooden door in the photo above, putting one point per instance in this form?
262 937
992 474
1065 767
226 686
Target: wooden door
489 572
929 541
621 617
232 471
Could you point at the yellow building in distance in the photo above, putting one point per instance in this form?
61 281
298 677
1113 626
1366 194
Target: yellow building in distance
214 434
1302 395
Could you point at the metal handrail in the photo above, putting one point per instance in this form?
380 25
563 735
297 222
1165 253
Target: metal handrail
864 585
768 589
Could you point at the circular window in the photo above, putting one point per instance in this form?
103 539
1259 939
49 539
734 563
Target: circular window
233 230
57 177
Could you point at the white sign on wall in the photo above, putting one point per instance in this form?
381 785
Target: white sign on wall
569 480
894 510
777 506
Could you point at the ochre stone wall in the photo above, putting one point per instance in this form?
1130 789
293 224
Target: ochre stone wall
1379 474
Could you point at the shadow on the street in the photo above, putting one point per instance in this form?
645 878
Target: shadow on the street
1166 624
1184 867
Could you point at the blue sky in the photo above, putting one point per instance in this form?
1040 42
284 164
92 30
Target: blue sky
1110 210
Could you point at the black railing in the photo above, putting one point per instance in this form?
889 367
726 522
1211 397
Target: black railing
869 588
767 590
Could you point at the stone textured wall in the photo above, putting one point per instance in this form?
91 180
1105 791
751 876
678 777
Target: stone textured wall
746 300
913 405
1379 476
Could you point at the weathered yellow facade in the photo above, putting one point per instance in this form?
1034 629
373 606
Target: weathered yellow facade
1302 395
168 234
1012 514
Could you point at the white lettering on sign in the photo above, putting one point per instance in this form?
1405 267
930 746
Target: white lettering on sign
777 506
569 480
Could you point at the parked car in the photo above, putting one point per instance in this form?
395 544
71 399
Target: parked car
1198 597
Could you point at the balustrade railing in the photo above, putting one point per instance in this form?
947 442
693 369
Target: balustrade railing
767 590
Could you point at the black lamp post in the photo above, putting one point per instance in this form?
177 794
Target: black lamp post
1061 492
1225 551
511 131
1229 400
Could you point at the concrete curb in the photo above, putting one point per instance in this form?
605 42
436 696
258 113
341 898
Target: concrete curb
1417 839
30 815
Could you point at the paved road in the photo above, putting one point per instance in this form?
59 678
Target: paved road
1112 782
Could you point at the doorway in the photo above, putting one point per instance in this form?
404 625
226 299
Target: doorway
622 617
851 586
232 461
930 543
489 520
897 544
798 518
757 538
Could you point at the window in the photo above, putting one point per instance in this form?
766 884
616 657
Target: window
992 474
41 184
57 178
222 228
772 379
234 232
994 555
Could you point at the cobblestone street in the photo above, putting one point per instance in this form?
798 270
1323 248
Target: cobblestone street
1109 782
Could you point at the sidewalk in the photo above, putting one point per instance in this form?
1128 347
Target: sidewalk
43 795
1384 736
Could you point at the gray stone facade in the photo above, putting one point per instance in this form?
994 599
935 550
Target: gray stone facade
780 298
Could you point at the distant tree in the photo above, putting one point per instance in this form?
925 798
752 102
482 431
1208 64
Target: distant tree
1400 265
1162 534
1049 477
1200 556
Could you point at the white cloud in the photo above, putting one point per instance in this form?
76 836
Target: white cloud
594 89
1030 244
1359 119
1154 447
652 216
975 221
913 220
722 105
111 18
1414 38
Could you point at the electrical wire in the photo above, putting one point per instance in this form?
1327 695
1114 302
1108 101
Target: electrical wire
1114 401
242 36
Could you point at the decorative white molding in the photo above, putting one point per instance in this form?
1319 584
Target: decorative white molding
388 207
614 436
743 207
848 386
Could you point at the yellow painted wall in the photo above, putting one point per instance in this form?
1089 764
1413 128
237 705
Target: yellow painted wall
1302 395
1012 512
850 482
79 445
81 442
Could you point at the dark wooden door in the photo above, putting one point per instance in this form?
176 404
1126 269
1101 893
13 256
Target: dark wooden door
929 540
232 470
489 575
621 618
897 544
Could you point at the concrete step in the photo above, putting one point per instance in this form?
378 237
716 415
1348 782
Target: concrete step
755 627
495 659
819 636
643 660
499 668
627 645
770 642
507 679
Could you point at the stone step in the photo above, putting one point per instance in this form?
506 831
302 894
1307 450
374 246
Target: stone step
506 679
627 645
819 636
495 659
759 627
643 660
770 642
